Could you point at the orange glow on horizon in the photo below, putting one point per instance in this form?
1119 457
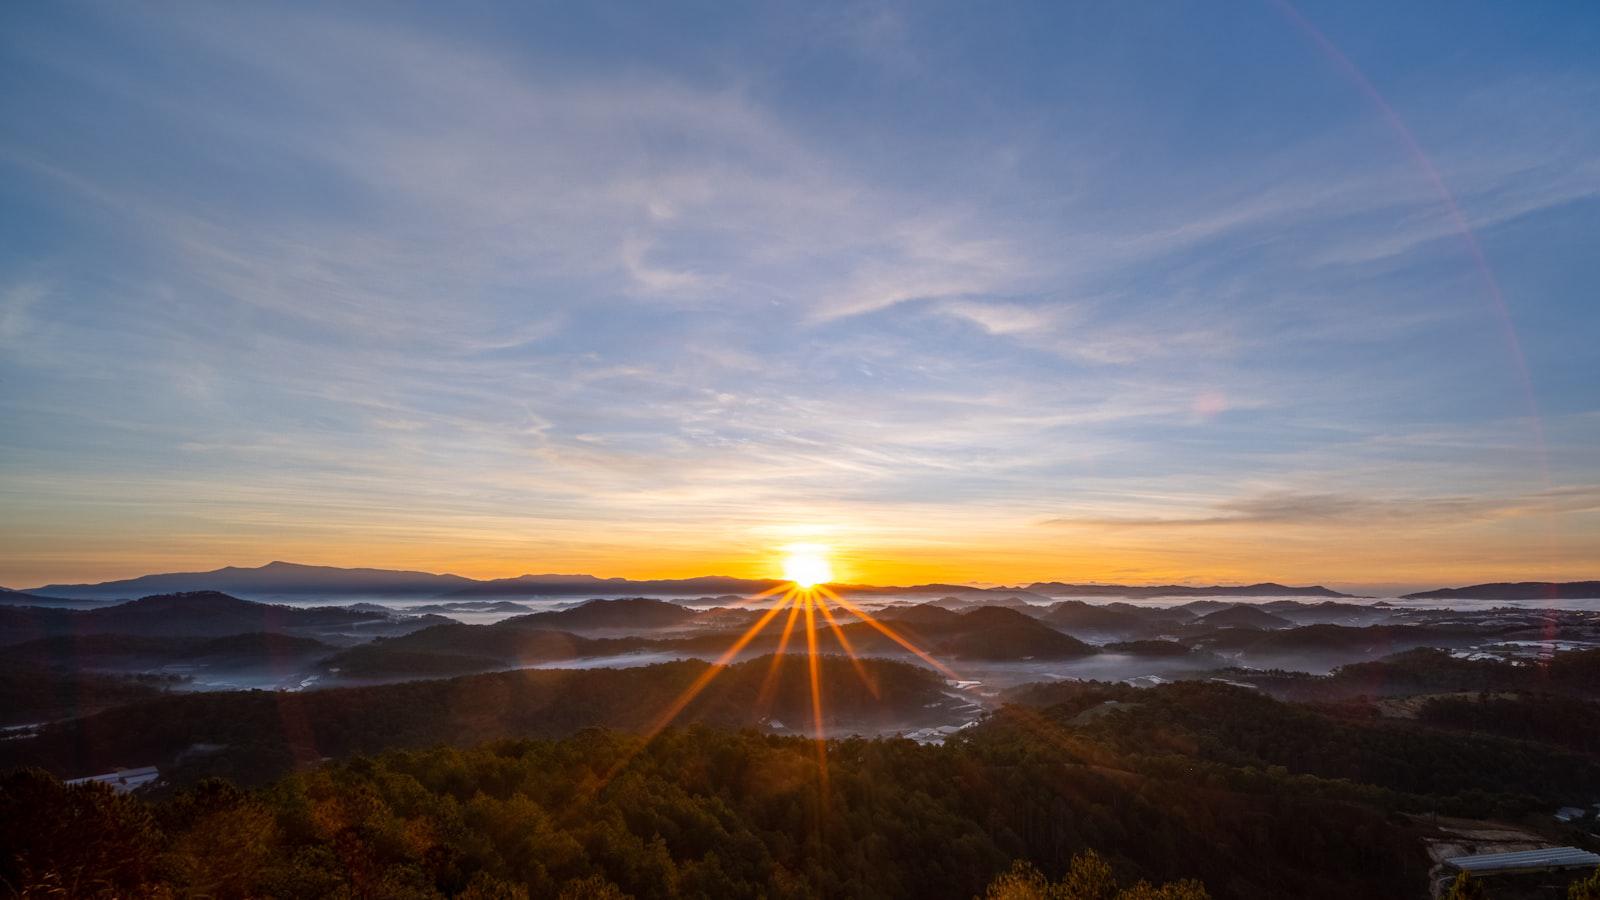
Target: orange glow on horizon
980 553
807 565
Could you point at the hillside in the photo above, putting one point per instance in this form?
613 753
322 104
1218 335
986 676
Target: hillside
1194 781
998 633
275 579
1327 612
1523 590
199 613
127 651
625 614
1312 646
1242 615
455 649
1265 589
925 614
19 598
1081 619
31 692
265 733
570 585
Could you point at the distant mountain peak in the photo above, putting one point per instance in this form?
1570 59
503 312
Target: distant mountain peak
1261 589
1519 590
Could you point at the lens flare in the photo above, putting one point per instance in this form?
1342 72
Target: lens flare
806 600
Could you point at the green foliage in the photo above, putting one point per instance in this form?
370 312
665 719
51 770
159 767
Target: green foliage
73 841
30 692
1176 786
1428 670
266 734
1244 737
1465 887
1586 889
1088 878
1549 718
710 813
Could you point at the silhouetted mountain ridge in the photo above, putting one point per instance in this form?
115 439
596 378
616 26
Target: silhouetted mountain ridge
195 614
9 597
1264 589
271 580
286 579
1521 590
1243 615
625 612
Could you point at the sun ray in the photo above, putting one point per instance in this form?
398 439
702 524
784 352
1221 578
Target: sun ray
699 684
850 650
770 684
892 635
590 790
786 589
798 598
816 690
779 588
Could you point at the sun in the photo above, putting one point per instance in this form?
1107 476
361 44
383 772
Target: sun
807 565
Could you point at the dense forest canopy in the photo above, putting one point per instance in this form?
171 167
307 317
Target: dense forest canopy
1245 794
546 782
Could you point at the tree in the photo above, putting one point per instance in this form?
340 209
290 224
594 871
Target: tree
1587 889
1088 878
73 840
1021 882
1465 887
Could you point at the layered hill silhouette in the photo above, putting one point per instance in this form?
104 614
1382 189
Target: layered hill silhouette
21 598
996 632
275 579
1265 589
79 652
249 726
623 613
288 580
197 613
1522 590
1242 615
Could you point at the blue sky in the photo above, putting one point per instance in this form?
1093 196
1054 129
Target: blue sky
1119 291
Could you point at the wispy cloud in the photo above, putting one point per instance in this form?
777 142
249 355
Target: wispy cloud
1360 511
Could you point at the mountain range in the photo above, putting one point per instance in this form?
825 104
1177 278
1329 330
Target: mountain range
1265 589
1522 590
289 580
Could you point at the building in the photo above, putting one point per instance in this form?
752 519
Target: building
1545 859
123 780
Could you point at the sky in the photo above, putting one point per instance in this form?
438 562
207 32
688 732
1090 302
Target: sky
1129 292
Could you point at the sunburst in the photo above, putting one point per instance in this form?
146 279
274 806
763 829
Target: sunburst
806 595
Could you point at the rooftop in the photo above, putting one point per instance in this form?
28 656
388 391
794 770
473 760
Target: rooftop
1543 858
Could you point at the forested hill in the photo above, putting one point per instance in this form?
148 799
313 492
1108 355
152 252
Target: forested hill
1522 591
1135 592
258 735
1255 797
200 613
708 813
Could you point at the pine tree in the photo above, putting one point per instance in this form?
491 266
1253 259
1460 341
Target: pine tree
1466 887
1587 889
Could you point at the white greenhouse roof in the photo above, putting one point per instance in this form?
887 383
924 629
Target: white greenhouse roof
1544 858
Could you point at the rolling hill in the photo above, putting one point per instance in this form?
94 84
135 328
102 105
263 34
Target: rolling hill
1522 590
200 613
1265 589
275 579
996 633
